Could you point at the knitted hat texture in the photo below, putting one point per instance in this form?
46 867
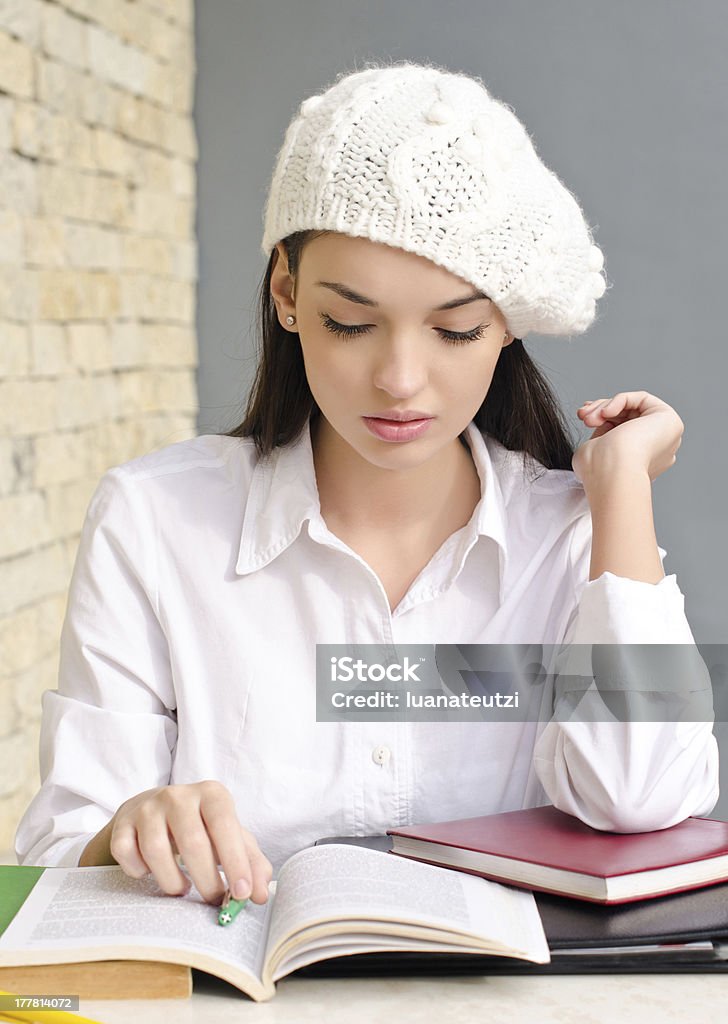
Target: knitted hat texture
426 160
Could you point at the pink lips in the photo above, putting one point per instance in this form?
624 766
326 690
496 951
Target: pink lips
396 430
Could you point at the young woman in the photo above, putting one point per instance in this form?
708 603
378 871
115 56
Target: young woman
402 475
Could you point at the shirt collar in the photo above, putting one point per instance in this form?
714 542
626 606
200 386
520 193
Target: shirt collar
283 495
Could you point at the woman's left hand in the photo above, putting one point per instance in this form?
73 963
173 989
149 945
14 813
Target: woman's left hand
633 428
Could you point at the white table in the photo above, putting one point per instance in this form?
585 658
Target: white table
566 999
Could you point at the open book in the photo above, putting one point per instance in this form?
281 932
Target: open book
328 901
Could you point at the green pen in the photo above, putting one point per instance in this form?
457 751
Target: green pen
229 908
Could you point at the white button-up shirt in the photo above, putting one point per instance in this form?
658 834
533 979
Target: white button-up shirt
204 579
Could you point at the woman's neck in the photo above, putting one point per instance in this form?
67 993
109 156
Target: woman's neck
356 495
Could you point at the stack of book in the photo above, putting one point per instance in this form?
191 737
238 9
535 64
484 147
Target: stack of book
451 896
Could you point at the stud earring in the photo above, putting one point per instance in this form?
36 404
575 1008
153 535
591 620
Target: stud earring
290 320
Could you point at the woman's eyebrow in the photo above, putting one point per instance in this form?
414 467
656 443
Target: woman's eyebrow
352 296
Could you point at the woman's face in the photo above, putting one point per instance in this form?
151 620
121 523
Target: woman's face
396 352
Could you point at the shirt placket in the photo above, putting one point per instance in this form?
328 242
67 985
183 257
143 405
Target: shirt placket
378 771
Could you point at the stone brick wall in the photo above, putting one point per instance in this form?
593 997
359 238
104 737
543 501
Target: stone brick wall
98 264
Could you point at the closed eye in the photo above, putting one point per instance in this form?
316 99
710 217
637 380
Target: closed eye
354 330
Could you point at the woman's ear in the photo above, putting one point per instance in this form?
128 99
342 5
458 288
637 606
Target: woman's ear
282 285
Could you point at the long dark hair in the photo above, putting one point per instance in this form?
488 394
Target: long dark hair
520 409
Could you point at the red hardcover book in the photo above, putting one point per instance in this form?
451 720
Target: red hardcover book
544 849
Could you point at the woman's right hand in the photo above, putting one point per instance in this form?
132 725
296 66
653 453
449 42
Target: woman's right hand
197 820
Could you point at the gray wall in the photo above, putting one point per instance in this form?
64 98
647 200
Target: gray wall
626 102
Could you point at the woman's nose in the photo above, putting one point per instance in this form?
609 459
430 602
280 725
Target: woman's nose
400 367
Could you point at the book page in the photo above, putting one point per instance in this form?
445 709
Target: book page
340 882
99 907
355 942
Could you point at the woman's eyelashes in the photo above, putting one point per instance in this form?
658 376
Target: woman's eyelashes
353 330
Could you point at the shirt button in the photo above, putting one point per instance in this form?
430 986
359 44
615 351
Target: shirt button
380 755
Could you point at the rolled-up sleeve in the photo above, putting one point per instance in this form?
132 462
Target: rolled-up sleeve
646 772
108 732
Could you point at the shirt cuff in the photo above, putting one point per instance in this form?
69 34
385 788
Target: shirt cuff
64 853
616 609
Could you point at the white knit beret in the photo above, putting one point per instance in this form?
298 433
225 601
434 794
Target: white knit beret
426 160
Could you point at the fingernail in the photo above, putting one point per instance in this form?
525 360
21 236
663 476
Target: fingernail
240 889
